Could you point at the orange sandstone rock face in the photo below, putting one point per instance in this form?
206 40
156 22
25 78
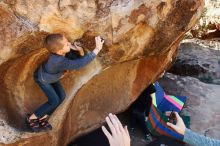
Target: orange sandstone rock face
141 36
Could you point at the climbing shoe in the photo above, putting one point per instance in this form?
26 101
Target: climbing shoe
33 124
45 124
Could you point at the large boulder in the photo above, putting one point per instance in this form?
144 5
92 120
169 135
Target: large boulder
141 36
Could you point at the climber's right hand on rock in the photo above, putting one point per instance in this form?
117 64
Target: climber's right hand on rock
99 44
119 135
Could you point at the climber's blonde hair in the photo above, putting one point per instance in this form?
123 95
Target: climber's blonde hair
53 42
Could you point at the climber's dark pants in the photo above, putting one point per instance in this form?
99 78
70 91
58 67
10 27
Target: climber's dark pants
55 94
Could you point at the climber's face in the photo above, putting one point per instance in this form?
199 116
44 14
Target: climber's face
66 45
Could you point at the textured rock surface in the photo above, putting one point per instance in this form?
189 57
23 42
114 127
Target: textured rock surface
141 39
202 103
198 59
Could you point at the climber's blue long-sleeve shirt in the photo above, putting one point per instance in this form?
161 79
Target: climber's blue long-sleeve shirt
51 70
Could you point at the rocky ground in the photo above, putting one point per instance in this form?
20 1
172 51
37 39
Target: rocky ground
198 63
199 59
7 133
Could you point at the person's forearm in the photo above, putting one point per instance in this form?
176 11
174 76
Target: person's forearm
96 51
195 139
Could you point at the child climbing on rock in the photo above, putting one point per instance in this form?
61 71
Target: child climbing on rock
48 74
